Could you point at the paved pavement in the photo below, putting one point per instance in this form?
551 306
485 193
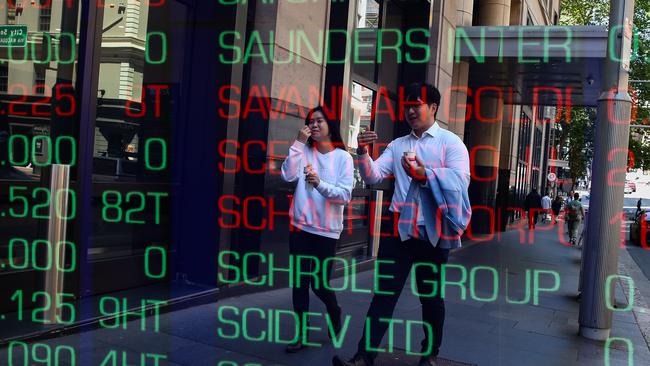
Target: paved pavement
641 257
495 332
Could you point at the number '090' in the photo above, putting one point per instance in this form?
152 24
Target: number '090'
19 354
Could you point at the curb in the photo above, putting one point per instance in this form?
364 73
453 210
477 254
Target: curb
628 267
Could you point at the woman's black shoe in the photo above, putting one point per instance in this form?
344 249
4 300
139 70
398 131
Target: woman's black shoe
336 326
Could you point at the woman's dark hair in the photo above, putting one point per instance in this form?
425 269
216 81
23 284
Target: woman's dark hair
333 126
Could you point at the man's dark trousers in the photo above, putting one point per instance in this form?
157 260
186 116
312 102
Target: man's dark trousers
405 254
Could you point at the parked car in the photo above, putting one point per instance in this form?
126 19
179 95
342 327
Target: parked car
636 227
627 189
632 186
629 208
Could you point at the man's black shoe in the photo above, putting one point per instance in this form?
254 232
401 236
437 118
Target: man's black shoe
428 361
357 360
294 347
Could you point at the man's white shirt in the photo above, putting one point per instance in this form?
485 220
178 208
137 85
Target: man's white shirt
436 148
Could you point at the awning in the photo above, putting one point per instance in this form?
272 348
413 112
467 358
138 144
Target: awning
536 62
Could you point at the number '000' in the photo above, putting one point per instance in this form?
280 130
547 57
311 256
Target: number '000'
20 249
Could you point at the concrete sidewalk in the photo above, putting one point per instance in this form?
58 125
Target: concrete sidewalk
476 332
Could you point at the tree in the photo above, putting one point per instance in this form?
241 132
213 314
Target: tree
640 155
596 12
584 12
578 135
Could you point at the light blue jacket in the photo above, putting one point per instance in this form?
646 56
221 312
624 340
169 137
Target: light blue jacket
445 206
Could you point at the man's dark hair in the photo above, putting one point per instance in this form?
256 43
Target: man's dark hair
426 92
576 195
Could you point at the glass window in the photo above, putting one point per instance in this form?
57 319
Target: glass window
362 104
138 106
365 39
360 118
38 104
367 14
45 15
39 79
4 77
11 12
38 117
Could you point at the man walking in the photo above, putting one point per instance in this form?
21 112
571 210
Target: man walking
421 161
532 205
546 206
574 214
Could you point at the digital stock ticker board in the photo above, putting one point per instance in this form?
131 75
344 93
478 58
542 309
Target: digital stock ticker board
324 182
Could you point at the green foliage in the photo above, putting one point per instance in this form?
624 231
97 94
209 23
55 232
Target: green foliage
584 12
640 155
577 135
596 12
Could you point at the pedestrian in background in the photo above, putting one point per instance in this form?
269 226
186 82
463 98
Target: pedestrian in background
320 163
546 206
501 208
557 206
532 206
574 213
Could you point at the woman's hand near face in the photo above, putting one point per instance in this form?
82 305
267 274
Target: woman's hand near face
303 134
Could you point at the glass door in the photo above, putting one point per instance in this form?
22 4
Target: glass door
138 136
39 112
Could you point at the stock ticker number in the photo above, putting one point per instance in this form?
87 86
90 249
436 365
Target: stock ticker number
113 210
39 205
40 255
22 354
65 105
53 150
43 303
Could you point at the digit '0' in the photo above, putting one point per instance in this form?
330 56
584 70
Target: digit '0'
163 154
48 47
163 43
147 268
25 353
71 48
13 255
25 150
629 346
73 356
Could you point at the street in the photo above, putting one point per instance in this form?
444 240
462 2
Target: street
640 255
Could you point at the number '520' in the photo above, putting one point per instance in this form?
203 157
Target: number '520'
41 206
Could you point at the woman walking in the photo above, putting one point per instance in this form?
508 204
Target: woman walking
324 170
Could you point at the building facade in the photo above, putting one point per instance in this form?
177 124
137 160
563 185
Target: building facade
175 116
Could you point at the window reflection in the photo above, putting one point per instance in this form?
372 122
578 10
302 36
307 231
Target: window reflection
38 111
38 54
140 71
138 106
362 98
367 14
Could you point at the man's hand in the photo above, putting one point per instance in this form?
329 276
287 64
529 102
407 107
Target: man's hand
303 134
414 170
364 139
